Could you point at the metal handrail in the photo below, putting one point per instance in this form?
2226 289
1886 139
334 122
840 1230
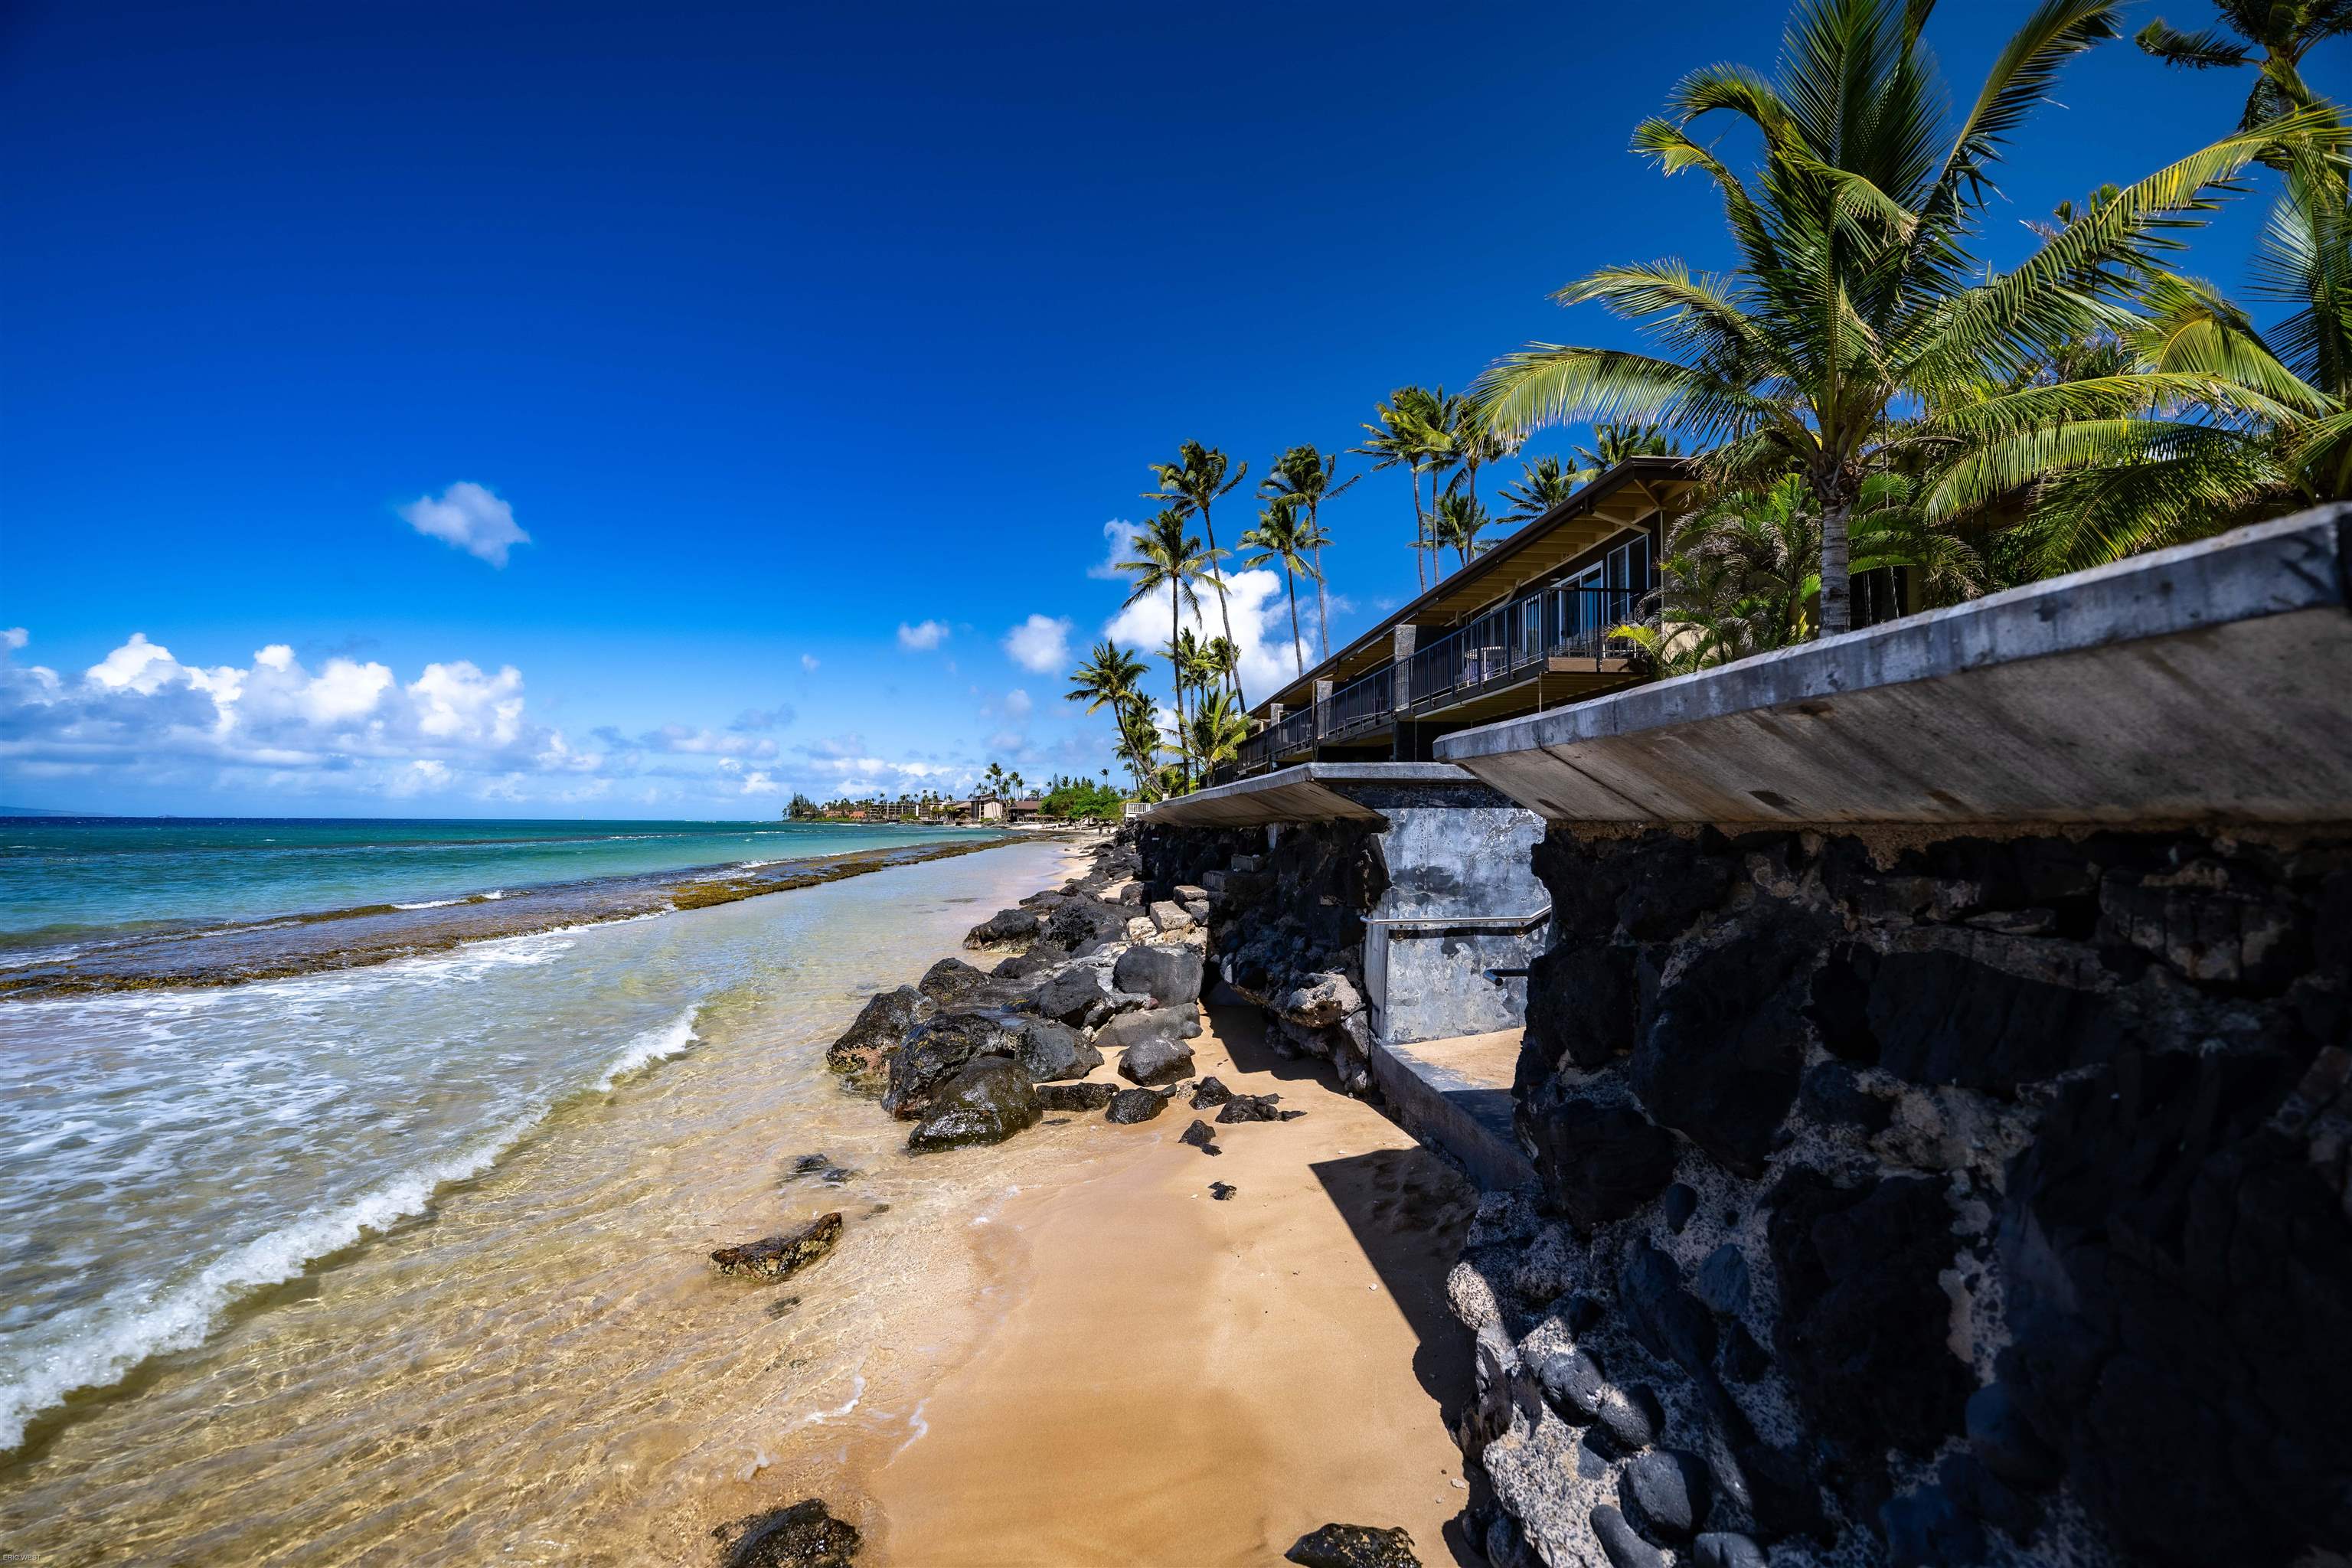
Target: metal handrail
1361 704
1554 622
1295 732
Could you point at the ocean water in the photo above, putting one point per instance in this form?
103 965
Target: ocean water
66 880
406 1261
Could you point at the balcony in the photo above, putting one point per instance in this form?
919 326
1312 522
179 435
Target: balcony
1559 631
1357 707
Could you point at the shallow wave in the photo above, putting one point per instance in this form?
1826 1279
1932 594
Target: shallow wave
652 1045
109 1345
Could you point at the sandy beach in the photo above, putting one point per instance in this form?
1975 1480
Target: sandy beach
1179 1380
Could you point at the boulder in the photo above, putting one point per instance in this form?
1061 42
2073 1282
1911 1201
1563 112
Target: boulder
1003 926
1181 1022
937 1051
1200 1136
781 1256
1129 1106
1210 1091
859 1055
1720 1059
1725 1549
1073 995
805 1535
1353 1546
1223 1191
1156 1059
1167 917
1189 893
950 980
1619 1544
1050 1052
1722 1280
987 1102
1167 975
1583 1006
1573 1382
1255 1107
1074 1096
1668 1492
1322 1001
1632 1417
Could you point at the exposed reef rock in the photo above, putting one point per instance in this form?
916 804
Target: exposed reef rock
1353 1546
805 1535
987 1101
1924 1202
781 1256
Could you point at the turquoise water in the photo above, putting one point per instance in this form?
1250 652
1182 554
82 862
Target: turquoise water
68 880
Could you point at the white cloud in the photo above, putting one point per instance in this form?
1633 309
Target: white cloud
470 518
1115 533
809 662
923 636
1040 645
761 783
1017 704
14 637
1261 617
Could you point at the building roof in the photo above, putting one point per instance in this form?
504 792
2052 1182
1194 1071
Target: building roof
1616 500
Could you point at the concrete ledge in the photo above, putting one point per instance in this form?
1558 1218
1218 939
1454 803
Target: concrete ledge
2209 681
1301 794
1456 1094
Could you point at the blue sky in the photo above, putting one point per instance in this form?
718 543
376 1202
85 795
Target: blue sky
774 331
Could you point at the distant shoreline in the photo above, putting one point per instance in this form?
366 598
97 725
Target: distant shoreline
287 946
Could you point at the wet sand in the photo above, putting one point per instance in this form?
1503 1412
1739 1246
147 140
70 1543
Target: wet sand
1179 1380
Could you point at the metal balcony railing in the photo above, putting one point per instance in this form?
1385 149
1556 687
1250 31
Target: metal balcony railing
1359 706
1295 734
1510 642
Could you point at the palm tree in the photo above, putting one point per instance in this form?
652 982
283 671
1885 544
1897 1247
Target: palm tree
1613 444
1110 676
1164 556
1476 444
1138 741
1195 481
1278 537
1302 478
1413 432
1857 297
1218 729
1543 485
1458 521
2284 33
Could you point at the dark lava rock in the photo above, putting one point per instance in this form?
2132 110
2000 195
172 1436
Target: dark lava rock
812 1165
1166 974
1129 1106
881 1024
1353 1546
1052 1052
1023 966
987 1102
781 1256
1179 1023
1209 1091
1584 1313
1254 1108
1073 995
1722 1280
805 1535
1941 1018
1074 1096
1223 1191
2002 1437
950 980
1927 1530
1668 1492
1680 1202
1003 926
1599 1162
1572 1381
1081 924
1832 1096
1744 1361
1862 1326
1779 1485
1583 1005
1201 1136
1630 1417
1662 1315
2177 1250
1619 1544
1156 1059
939 1049
1723 1549
1976 1492
1721 1054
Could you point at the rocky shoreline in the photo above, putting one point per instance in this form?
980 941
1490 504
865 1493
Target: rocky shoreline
1090 1008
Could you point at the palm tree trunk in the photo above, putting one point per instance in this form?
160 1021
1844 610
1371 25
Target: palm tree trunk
1420 534
1176 672
1224 612
1837 590
1297 648
1322 605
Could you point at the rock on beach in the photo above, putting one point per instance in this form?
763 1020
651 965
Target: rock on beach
781 1256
